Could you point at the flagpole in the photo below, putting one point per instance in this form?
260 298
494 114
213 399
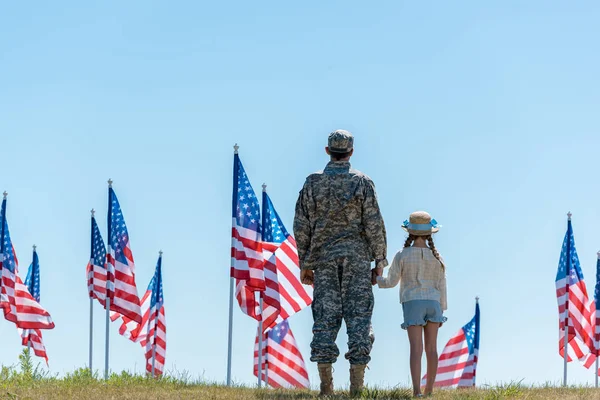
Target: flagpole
91 334
155 324
260 343
91 303
2 221
231 294
230 333
478 333
260 323
107 341
27 331
106 346
567 274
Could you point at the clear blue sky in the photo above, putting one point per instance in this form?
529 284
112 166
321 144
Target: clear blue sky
485 114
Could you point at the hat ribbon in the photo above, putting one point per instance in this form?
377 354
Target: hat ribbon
421 227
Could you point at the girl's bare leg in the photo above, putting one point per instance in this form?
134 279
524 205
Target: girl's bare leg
415 338
431 332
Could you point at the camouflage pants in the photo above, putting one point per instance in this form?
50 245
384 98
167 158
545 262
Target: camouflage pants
342 290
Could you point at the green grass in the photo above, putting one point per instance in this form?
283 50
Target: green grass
27 381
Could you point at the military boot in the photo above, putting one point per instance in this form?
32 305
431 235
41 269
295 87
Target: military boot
326 375
357 379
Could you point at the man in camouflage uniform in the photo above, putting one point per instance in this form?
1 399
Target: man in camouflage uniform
339 231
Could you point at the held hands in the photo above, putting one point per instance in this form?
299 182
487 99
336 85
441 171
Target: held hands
307 276
375 272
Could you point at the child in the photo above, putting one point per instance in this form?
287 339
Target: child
421 272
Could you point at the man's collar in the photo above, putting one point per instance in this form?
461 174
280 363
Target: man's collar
338 165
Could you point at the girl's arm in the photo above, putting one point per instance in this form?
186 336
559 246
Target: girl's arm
393 274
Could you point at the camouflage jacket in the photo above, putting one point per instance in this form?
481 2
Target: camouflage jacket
337 215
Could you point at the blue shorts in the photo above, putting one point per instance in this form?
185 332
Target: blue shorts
419 312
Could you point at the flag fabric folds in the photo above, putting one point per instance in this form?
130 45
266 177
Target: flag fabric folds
246 249
152 333
282 364
247 300
33 337
574 305
121 287
595 351
457 365
284 295
246 242
96 268
17 303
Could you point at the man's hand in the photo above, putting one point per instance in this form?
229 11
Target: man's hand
307 276
375 272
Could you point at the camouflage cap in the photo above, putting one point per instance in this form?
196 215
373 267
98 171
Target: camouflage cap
340 141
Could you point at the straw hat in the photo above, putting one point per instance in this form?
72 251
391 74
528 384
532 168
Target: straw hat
420 224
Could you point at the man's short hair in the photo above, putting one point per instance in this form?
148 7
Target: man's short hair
339 156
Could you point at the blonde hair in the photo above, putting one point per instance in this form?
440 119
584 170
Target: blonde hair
411 239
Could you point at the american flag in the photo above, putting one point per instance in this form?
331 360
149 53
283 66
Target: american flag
246 244
457 365
284 295
246 249
17 303
96 268
573 303
33 337
282 364
247 300
121 268
152 303
595 351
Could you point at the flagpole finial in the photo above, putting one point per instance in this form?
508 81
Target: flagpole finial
598 255
569 215
34 247
477 299
93 212
110 182
264 186
160 253
235 148
5 194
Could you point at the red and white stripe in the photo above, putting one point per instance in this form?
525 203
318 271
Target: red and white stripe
34 337
246 298
158 341
469 374
595 353
131 329
282 364
19 306
579 313
121 285
284 295
454 365
144 333
96 282
246 256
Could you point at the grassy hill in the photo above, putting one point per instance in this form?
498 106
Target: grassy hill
138 388
29 382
